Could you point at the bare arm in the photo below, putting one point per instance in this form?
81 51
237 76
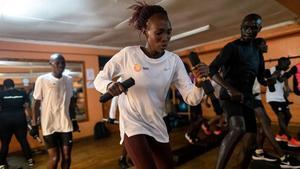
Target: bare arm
224 58
218 79
234 94
72 108
28 112
287 89
35 111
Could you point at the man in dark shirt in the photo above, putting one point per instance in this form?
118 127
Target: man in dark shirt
239 63
13 121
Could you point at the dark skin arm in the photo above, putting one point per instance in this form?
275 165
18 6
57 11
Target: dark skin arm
28 112
72 114
35 111
260 77
200 72
115 88
234 94
34 131
224 58
287 74
72 108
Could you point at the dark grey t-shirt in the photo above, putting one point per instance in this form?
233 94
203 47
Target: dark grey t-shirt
12 101
240 63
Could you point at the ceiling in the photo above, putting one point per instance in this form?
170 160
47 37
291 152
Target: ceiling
104 23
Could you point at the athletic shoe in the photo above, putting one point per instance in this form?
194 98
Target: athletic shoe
3 166
206 129
281 138
218 131
289 162
30 162
263 156
190 139
123 163
293 143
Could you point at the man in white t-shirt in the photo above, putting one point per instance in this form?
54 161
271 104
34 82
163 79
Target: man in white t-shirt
52 96
279 104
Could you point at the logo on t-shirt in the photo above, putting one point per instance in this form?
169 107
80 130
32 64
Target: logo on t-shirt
137 67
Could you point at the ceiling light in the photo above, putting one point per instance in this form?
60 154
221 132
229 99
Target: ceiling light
15 8
281 24
190 33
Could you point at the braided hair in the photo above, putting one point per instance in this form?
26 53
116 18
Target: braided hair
142 12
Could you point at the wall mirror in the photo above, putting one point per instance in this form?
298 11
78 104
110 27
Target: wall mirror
25 72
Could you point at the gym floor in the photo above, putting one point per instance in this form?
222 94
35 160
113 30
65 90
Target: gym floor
104 153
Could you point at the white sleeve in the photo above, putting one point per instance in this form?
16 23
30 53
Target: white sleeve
37 92
113 107
190 93
113 68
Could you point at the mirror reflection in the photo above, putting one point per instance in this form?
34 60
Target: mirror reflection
25 72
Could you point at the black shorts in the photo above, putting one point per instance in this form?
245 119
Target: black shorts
58 139
238 109
279 107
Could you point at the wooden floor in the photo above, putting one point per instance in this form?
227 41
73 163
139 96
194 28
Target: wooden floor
103 154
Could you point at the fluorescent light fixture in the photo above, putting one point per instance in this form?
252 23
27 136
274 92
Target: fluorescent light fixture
16 8
190 33
285 23
277 25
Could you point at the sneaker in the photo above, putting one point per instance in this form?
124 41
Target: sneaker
3 166
206 129
293 143
190 139
123 163
30 162
263 156
289 162
218 131
283 138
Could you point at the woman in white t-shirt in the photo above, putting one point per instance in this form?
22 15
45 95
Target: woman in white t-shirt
154 69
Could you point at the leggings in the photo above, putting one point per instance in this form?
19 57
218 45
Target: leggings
8 128
147 153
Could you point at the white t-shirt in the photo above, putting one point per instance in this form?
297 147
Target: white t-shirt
55 95
256 90
143 108
278 94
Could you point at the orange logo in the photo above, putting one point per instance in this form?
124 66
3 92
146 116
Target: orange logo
137 67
